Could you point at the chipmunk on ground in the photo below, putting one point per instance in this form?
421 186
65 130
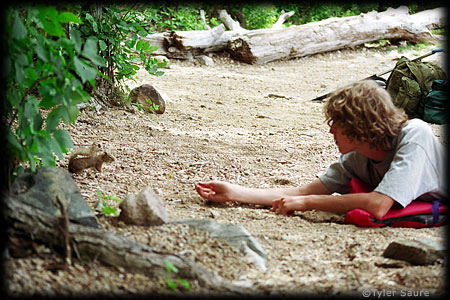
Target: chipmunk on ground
90 160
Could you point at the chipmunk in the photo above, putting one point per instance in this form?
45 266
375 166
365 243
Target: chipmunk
91 159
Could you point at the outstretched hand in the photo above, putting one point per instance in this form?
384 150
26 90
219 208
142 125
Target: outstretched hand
216 191
286 206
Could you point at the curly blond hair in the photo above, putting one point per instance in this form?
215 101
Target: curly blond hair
365 112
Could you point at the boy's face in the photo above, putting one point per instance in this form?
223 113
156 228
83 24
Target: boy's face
343 143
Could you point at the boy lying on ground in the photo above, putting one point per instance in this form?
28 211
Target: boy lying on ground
397 160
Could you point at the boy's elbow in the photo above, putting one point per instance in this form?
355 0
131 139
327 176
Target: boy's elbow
380 205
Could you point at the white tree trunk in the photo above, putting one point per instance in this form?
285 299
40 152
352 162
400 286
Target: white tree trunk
181 44
264 45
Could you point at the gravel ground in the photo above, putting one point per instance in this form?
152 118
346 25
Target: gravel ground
247 124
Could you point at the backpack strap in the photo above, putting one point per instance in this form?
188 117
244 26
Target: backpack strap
435 211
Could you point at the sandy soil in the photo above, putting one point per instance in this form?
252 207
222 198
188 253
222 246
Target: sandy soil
247 124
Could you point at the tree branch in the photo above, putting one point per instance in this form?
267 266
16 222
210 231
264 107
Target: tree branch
283 17
229 23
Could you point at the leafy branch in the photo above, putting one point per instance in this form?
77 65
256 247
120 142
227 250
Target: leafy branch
54 61
46 68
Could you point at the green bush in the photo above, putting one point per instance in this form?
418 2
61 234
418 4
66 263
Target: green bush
255 15
260 16
55 55
113 28
179 17
46 67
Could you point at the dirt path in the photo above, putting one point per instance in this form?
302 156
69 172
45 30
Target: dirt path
248 124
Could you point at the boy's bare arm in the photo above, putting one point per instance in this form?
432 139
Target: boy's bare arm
219 191
375 203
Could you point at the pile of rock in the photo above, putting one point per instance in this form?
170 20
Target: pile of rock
43 188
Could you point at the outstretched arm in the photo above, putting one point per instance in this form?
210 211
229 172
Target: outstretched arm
375 203
220 191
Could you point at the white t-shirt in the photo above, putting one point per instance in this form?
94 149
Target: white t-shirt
415 169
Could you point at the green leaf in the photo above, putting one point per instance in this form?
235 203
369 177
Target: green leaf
73 112
50 95
53 118
13 141
45 150
31 77
49 18
68 17
41 53
143 33
19 31
102 45
14 97
130 43
108 210
142 45
31 107
185 283
170 267
91 20
64 139
55 147
90 51
151 49
79 96
86 72
171 284
75 35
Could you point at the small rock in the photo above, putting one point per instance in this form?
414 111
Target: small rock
214 213
145 208
205 60
142 94
418 252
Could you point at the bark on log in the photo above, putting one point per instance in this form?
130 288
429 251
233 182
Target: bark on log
184 44
265 45
94 244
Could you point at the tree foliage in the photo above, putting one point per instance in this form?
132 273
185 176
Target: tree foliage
46 67
117 31
54 55
253 15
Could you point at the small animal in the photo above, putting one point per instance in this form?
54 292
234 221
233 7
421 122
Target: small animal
90 160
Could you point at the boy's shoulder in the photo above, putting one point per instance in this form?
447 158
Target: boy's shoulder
417 131
415 127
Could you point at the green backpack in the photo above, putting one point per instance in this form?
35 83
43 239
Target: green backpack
410 82
436 103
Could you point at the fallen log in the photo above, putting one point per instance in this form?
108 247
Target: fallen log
185 44
93 244
264 45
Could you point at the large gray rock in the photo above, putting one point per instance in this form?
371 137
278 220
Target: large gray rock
418 252
41 188
235 235
145 208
